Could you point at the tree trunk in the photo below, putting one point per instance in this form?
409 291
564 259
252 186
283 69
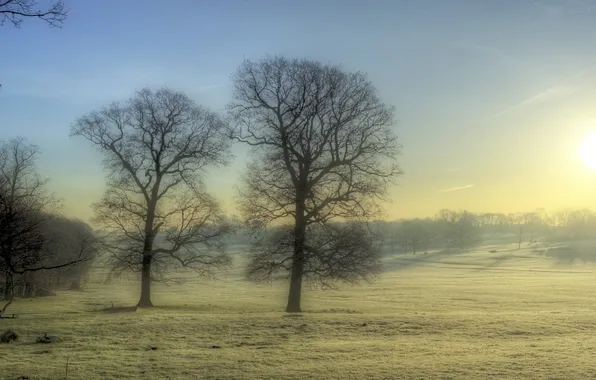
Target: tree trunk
28 290
145 300
28 286
75 284
295 288
8 287
298 259
461 237
405 241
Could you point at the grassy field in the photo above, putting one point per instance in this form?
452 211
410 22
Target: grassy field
476 315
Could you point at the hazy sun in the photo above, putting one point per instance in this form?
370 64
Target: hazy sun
587 150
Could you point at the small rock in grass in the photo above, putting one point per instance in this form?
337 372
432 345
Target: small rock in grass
45 338
8 336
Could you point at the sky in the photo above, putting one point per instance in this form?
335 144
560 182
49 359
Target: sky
493 98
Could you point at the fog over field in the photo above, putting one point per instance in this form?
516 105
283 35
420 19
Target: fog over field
509 314
297 190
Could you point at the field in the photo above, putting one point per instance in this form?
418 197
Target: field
476 315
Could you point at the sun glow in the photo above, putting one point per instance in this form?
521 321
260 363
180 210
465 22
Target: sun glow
587 150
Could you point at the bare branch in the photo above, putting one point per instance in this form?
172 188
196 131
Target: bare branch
15 11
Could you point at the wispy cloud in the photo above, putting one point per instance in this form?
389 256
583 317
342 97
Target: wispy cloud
545 96
493 52
505 57
562 90
456 188
103 85
553 9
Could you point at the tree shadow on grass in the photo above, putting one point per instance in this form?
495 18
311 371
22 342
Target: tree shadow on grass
569 254
433 258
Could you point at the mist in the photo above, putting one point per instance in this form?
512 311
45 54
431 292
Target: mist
321 190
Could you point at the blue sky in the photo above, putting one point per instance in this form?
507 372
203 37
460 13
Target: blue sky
493 98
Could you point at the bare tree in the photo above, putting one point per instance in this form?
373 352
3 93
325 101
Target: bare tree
323 150
415 234
461 228
22 205
526 222
157 147
65 239
15 11
579 224
25 209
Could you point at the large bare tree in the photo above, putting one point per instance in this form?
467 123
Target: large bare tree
157 146
15 11
324 151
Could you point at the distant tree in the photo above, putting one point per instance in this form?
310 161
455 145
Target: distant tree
580 223
526 223
405 236
532 221
157 147
492 223
517 219
25 210
491 219
461 229
416 235
384 232
323 150
15 11
67 239
561 218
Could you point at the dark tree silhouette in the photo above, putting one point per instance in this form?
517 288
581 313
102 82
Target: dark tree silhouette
332 252
157 147
323 150
65 239
25 210
15 11
415 235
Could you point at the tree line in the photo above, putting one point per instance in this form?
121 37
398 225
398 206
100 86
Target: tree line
461 230
39 249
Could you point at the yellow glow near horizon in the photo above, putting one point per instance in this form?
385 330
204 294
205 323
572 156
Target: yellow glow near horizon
587 150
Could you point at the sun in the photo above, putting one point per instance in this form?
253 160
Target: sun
587 150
